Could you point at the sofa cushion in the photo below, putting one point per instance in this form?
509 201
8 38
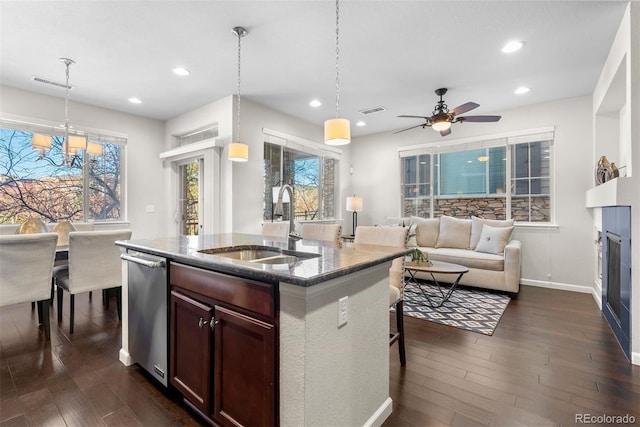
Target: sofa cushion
494 239
426 231
470 259
454 233
476 228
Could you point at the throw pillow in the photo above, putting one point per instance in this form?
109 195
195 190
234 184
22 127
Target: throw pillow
476 228
454 233
426 231
494 239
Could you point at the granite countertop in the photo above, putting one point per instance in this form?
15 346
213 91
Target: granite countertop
335 258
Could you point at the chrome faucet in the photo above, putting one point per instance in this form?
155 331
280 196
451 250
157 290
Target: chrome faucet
279 211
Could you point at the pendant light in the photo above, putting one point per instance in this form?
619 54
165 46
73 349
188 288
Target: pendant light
72 144
238 152
337 131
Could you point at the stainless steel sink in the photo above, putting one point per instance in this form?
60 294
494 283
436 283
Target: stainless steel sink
260 254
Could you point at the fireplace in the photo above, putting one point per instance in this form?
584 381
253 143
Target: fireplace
616 273
613 274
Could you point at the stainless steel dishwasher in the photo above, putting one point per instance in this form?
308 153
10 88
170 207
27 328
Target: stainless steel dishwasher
148 313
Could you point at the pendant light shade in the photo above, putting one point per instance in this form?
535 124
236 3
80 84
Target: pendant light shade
337 132
238 152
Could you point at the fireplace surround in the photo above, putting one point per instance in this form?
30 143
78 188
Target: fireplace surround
616 273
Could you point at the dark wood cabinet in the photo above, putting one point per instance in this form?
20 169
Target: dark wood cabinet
244 370
190 353
223 346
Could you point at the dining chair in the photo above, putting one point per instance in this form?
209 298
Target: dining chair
329 232
390 236
26 265
276 229
94 264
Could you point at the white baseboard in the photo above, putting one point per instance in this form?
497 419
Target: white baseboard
557 285
635 358
381 414
125 357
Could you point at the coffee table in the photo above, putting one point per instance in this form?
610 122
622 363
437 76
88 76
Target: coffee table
432 267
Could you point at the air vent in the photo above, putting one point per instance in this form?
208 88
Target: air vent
372 110
49 82
198 135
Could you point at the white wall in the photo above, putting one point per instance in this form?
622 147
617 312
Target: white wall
144 142
553 257
241 198
624 58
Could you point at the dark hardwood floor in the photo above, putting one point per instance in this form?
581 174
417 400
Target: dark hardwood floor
551 357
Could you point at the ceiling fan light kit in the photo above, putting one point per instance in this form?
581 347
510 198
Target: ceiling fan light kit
442 118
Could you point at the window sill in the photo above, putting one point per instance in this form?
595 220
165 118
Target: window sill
537 226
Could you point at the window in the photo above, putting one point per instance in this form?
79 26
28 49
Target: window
474 178
311 171
32 187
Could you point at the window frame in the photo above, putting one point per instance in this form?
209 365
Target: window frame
27 125
313 149
507 140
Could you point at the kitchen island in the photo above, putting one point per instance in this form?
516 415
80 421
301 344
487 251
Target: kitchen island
303 326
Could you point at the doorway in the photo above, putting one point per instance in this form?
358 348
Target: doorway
189 197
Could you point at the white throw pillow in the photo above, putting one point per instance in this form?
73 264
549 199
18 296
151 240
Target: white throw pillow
454 233
426 231
494 239
476 228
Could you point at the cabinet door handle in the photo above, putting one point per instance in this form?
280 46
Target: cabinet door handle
213 323
201 323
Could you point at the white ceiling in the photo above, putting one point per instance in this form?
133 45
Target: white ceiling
392 53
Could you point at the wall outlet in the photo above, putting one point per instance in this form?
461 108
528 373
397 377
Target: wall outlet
343 313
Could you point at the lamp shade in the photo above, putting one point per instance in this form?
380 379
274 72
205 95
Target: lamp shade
40 141
337 132
77 143
238 152
354 204
285 195
94 149
441 125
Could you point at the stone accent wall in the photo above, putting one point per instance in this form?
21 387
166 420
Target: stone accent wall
523 209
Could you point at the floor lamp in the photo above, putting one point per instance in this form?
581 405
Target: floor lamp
354 204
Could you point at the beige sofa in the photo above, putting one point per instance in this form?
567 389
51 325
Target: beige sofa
483 246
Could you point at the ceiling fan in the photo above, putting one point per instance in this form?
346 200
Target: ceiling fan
441 118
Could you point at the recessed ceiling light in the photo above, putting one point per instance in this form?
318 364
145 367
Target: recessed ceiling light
315 103
135 100
521 90
360 123
512 46
180 71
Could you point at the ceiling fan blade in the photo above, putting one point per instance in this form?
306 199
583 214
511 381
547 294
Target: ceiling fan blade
479 118
445 132
412 127
461 109
415 117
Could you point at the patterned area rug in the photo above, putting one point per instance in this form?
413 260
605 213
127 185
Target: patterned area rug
470 309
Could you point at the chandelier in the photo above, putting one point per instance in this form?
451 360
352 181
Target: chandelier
73 143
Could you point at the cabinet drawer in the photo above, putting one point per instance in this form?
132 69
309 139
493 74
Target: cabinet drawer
248 294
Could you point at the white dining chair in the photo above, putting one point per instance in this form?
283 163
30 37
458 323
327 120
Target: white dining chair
275 229
390 236
94 264
26 264
328 232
